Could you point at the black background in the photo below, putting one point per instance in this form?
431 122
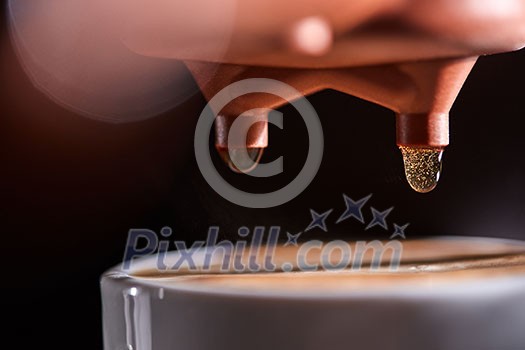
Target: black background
71 187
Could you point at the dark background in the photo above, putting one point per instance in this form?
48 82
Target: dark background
72 187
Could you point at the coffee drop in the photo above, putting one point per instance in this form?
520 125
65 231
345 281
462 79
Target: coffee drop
241 160
422 167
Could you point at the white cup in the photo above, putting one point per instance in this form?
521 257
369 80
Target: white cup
447 293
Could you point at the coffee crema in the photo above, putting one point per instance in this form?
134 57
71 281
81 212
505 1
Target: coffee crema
426 264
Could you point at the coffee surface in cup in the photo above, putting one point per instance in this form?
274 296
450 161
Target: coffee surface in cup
426 264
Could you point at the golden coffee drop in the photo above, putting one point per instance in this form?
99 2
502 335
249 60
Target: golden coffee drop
241 161
422 167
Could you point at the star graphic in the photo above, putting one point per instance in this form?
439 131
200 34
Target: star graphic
353 208
318 220
379 218
399 231
292 239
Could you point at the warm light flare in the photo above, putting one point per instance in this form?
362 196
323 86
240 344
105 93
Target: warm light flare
73 52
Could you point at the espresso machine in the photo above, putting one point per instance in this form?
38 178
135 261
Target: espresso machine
411 57
250 59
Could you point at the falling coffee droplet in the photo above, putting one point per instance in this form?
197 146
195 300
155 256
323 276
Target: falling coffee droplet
422 167
241 161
